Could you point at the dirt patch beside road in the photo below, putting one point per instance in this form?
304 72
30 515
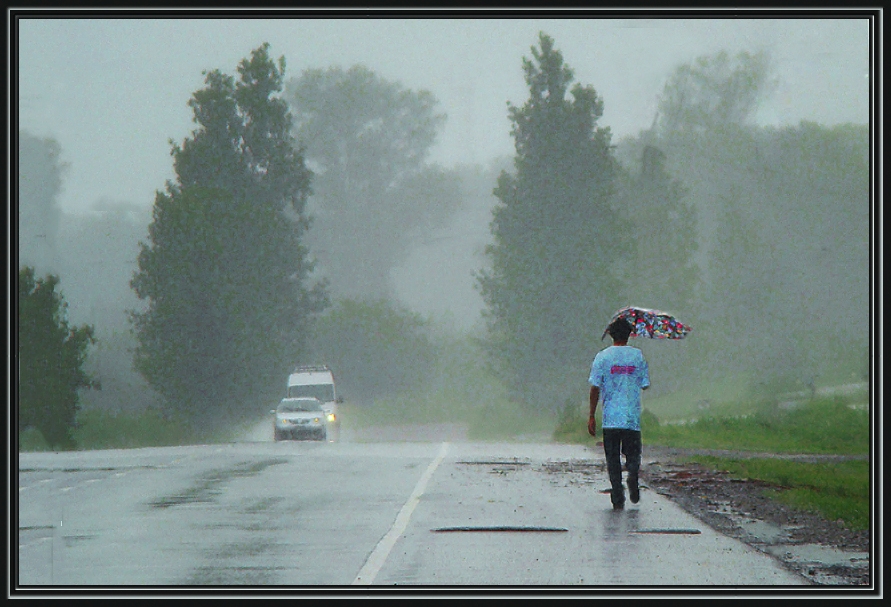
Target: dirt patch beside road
823 551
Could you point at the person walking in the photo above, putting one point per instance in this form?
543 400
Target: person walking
618 374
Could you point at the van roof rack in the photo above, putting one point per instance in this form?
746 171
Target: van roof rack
310 369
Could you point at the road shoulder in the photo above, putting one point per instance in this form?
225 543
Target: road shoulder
823 551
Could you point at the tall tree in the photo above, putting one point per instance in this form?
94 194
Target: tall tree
225 272
51 357
367 139
555 274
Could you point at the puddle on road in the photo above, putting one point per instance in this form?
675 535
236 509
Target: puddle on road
760 531
825 565
824 555
765 532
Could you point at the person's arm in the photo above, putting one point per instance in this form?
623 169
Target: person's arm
645 368
592 399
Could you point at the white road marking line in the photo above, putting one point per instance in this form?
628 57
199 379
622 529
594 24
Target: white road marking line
39 540
40 482
379 556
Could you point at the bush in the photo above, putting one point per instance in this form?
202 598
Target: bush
376 349
32 440
51 357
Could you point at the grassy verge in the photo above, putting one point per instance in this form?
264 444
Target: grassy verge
838 426
822 426
103 430
837 491
719 397
819 426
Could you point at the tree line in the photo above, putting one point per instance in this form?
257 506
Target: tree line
274 242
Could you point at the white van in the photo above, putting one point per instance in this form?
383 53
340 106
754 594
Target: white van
316 381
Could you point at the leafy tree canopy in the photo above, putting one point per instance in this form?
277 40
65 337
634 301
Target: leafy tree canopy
714 92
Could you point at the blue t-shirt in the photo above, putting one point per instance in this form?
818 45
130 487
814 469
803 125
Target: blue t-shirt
620 372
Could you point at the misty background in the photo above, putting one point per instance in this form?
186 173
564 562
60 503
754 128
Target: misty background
100 100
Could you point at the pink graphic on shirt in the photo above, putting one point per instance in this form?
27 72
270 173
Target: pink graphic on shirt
622 369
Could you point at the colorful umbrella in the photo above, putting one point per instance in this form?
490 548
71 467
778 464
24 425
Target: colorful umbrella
651 323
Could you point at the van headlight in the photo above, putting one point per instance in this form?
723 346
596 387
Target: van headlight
331 417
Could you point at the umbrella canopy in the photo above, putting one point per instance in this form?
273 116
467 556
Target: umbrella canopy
651 323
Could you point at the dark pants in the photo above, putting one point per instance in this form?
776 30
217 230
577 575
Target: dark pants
626 442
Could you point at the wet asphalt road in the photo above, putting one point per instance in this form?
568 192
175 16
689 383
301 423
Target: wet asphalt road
327 516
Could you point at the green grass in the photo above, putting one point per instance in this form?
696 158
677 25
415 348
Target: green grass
101 430
821 426
32 440
130 430
836 491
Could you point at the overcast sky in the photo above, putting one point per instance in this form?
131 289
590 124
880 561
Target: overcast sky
112 92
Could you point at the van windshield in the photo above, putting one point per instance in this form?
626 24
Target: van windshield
300 405
324 392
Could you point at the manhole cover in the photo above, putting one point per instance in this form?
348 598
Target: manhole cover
501 528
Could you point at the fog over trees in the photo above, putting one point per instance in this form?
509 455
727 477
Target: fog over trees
758 237
39 180
373 194
771 203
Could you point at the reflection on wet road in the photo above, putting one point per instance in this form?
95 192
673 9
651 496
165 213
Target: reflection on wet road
298 514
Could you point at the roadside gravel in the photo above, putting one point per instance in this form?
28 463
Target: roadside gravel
823 551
